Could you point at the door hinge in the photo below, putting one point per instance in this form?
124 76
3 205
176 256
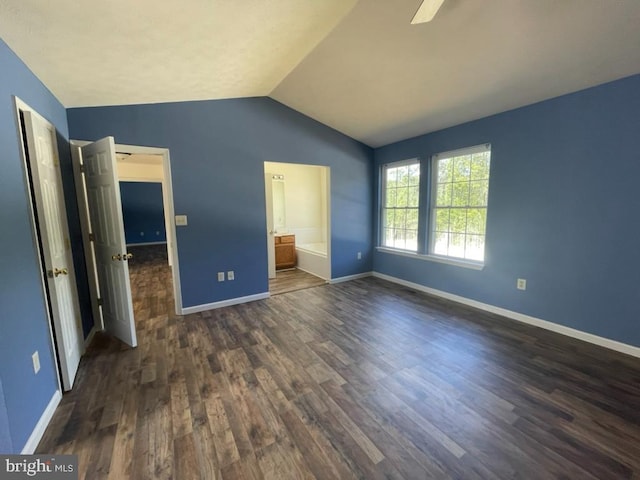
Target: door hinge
92 237
81 168
99 302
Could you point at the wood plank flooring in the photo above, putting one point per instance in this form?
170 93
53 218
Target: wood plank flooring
363 379
292 280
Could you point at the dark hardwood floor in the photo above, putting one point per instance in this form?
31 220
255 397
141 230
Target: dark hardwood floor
362 379
292 280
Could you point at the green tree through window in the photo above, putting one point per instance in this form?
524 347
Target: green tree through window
459 205
401 192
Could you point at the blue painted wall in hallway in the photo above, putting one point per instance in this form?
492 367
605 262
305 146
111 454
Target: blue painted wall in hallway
142 212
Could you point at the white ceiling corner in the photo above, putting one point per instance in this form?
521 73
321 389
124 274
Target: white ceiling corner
379 79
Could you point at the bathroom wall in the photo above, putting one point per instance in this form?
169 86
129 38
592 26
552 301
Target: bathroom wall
305 200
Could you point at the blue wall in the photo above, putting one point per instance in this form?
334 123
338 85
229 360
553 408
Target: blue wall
5 438
23 320
142 212
563 211
217 154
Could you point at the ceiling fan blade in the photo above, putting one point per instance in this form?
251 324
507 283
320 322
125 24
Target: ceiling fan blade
427 11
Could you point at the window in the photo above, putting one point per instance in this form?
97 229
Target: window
401 194
460 190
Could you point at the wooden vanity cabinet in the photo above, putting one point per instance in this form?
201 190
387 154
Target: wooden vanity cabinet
285 251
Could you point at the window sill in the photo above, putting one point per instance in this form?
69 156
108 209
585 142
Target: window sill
433 258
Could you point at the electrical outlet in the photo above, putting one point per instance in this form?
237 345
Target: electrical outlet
359 255
36 361
521 284
221 276
231 275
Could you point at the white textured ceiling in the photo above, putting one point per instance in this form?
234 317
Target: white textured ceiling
363 70
110 52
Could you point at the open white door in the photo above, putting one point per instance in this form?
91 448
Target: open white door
105 213
42 155
271 246
85 223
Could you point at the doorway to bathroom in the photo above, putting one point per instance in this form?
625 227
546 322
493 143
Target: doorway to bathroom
298 226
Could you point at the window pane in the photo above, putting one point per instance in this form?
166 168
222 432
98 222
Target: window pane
476 220
474 247
411 240
388 237
391 197
460 194
400 219
442 219
392 177
458 220
461 168
414 174
443 195
480 166
441 243
412 219
478 192
456 245
444 167
388 218
403 175
401 197
413 195
459 210
399 240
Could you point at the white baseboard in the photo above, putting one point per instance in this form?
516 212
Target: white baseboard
315 274
350 277
41 426
224 303
520 317
145 244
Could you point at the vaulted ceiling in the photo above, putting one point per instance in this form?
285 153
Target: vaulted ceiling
357 66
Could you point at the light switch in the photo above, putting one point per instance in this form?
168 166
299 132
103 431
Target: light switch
181 220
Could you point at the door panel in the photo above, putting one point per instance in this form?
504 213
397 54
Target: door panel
42 153
105 213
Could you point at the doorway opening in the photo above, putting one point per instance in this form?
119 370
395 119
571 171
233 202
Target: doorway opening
142 186
136 166
298 225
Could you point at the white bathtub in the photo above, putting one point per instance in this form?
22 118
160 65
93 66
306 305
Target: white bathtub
312 258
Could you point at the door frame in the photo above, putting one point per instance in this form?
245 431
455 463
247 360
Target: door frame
271 248
170 227
326 178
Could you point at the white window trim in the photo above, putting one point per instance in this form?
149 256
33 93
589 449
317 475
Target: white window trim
458 262
485 147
